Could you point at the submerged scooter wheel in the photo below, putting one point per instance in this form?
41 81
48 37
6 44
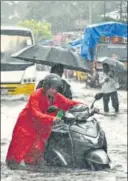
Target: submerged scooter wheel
96 167
53 159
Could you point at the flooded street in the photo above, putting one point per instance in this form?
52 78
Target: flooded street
116 133
85 43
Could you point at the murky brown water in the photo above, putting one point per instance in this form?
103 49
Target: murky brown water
116 132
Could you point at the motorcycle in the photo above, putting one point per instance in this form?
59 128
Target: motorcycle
78 141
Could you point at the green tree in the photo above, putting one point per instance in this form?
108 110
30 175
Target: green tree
63 14
40 29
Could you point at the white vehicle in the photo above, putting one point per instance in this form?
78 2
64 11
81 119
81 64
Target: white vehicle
18 77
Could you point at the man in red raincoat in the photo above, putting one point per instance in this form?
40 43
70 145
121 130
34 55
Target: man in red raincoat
34 124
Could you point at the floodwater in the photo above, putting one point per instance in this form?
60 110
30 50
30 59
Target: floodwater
114 127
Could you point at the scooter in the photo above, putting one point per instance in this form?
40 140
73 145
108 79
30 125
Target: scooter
78 141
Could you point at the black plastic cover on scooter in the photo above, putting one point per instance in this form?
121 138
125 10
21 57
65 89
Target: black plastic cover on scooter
79 108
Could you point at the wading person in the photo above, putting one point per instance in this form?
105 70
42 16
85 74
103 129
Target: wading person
34 124
109 88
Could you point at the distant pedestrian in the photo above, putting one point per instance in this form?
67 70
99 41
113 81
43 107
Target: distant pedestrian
109 88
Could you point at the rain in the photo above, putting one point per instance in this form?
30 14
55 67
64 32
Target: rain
63 25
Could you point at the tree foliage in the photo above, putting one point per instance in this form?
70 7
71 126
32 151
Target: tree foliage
40 29
63 14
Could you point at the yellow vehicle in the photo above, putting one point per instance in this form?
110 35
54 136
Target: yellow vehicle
81 76
18 77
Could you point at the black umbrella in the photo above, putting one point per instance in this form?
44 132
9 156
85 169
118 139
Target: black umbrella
113 62
47 55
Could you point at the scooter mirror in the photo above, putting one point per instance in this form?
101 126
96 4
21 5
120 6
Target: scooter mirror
52 109
69 117
98 96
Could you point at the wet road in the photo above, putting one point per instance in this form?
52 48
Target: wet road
116 132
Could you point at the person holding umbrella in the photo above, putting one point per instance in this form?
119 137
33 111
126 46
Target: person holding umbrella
65 88
109 88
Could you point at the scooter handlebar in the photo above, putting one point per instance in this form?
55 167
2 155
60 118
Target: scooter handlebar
96 111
